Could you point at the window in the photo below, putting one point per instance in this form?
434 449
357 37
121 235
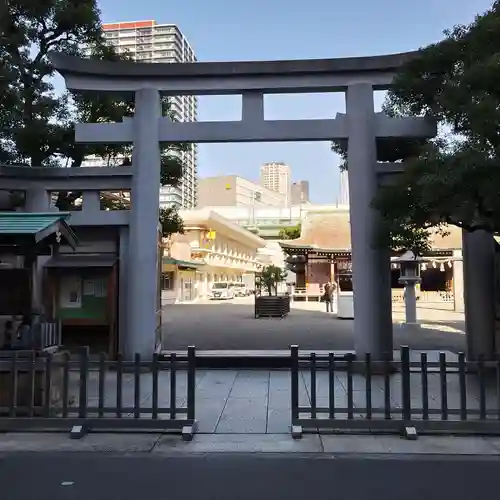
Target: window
167 280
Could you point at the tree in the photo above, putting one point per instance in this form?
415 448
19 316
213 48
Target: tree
454 179
270 276
290 233
171 222
397 231
37 123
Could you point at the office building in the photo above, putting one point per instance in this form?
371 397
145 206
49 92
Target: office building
150 42
276 176
299 192
235 191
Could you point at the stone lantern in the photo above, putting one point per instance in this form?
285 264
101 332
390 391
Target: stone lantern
409 265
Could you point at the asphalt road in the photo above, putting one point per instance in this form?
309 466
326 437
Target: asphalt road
54 476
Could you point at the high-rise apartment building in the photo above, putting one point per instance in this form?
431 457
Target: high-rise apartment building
149 42
276 176
299 193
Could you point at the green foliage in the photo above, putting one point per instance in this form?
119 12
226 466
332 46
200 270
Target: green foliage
454 180
37 123
270 277
290 233
171 222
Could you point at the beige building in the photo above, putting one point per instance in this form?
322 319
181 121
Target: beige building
276 176
299 193
235 191
211 249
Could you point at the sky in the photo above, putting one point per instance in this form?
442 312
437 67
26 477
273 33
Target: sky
222 30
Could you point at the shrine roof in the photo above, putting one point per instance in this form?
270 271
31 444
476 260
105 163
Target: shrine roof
323 232
331 232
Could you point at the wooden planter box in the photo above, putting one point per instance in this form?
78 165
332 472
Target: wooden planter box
272 306
29 393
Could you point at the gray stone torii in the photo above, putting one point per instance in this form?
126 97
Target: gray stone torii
358 77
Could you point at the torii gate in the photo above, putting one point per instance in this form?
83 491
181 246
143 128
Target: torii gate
360 126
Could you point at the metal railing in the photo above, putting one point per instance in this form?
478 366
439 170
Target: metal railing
54 391
50 334
456 396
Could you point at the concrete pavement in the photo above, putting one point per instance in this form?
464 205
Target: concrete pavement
53 476
319 445
214 325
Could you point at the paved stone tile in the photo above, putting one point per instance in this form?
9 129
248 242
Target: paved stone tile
279 379
463 445
244 416
271 443
278 420
249 391
216 383
208 413
253 376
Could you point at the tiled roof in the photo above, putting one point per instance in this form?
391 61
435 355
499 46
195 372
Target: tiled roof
332 231
329 231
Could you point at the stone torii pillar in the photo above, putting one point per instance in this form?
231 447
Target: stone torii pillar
143 234
371 268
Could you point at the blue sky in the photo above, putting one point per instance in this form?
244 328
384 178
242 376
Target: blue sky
221 30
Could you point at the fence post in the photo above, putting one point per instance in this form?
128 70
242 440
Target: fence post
13 386
313 386
294 352
173 386
406 383
191 383
84 368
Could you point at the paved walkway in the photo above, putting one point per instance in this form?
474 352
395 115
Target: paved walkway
232 326
259 401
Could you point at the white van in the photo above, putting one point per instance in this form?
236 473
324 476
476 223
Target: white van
222 290
240 290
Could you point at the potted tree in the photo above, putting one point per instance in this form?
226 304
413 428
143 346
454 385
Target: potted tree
267 301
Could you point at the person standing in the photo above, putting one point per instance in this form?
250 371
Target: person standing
329 297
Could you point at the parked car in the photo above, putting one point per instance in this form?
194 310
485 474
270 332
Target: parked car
241 290
222 291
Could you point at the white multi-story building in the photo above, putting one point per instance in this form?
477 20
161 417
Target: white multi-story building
235 191
149 42
276 176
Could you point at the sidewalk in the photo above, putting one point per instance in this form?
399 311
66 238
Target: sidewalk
250 443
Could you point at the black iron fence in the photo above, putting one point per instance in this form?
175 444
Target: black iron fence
54 391
414 391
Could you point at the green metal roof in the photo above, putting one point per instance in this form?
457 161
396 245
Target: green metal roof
29 223
36 226
185 263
